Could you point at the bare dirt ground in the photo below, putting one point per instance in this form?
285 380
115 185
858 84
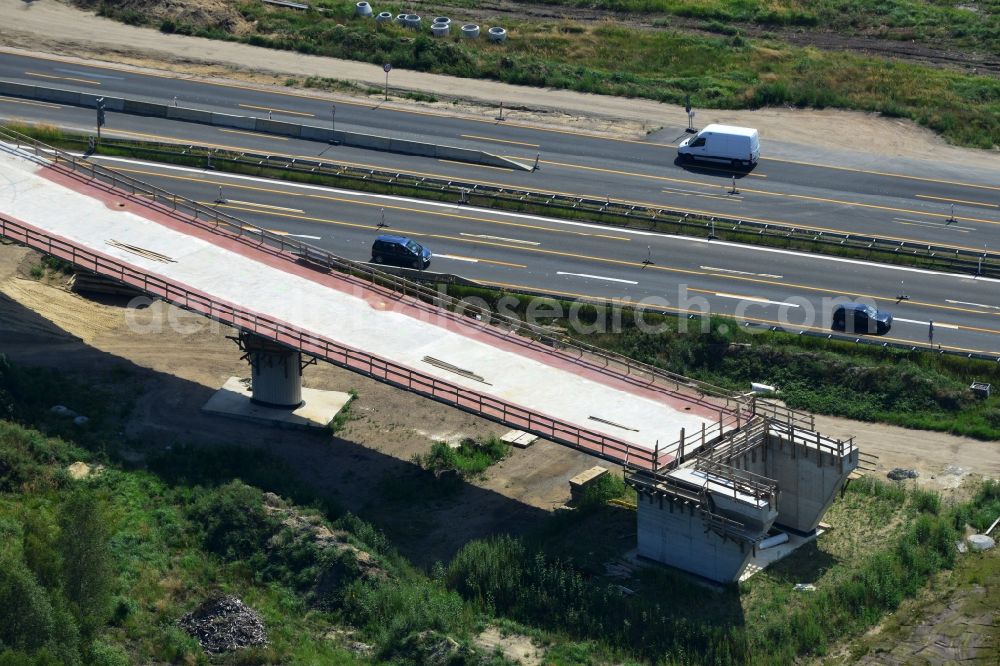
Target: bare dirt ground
827 40
515 647
179 360
51 27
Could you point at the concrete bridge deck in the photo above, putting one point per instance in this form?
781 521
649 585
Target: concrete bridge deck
347 320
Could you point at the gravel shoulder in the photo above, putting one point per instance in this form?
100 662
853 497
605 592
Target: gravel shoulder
54 28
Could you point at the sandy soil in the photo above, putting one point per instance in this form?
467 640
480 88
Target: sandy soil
181 359
51 27
367 467
516 648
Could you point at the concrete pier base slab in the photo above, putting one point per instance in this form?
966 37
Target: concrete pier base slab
318 408
769 556
519 438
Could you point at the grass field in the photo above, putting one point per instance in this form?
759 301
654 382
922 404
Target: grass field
728 71
152 543
970 25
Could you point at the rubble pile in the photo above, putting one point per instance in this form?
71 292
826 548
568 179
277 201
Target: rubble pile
223 623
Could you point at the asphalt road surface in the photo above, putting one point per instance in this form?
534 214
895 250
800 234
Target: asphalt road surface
947 205
759 286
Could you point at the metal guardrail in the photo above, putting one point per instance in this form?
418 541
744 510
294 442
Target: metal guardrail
602 359
985 263
741 481
624 368
357 361
813 440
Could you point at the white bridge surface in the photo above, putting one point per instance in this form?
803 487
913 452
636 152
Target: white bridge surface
430 341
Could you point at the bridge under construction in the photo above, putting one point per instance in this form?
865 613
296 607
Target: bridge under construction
714 470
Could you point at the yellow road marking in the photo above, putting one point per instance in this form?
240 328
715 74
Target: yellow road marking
484 261
625 173
29 102
257 134
479 166
373 204
260 205
570 194
964 201
886 173
706 196
486 138
631 264
757 320
573 132
63 78
271 108
924 225
865 205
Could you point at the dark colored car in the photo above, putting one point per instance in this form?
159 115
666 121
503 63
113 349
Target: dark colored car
858 318
401 251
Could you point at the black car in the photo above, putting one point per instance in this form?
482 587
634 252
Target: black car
401 251
858 318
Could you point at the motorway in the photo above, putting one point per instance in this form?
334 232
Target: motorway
943 204
906 200
759 286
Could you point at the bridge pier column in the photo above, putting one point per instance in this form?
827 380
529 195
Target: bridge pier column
274 394
276 372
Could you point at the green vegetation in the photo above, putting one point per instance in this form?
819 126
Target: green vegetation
958 24
344 415
907 388
404 185
98 570
760 618
662 64
470 459
51 265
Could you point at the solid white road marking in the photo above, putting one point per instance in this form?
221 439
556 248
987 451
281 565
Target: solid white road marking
449 256
978 305
260 205
499 238
523 216
935 225
756 299
729 270
597 277
926 323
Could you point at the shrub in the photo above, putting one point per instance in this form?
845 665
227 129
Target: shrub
85 530
471 458
607 487
26 615
233 521
926 501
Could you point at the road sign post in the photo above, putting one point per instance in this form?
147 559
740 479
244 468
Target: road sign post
690 113
100 117
387 67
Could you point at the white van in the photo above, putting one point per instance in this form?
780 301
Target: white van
739 146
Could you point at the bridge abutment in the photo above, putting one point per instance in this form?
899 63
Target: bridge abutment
707 513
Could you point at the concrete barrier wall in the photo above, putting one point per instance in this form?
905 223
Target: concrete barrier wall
412 147
145 108
278 127
17 90
311 133
237 122
370 141
57 96
264 125
190 115
110 103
